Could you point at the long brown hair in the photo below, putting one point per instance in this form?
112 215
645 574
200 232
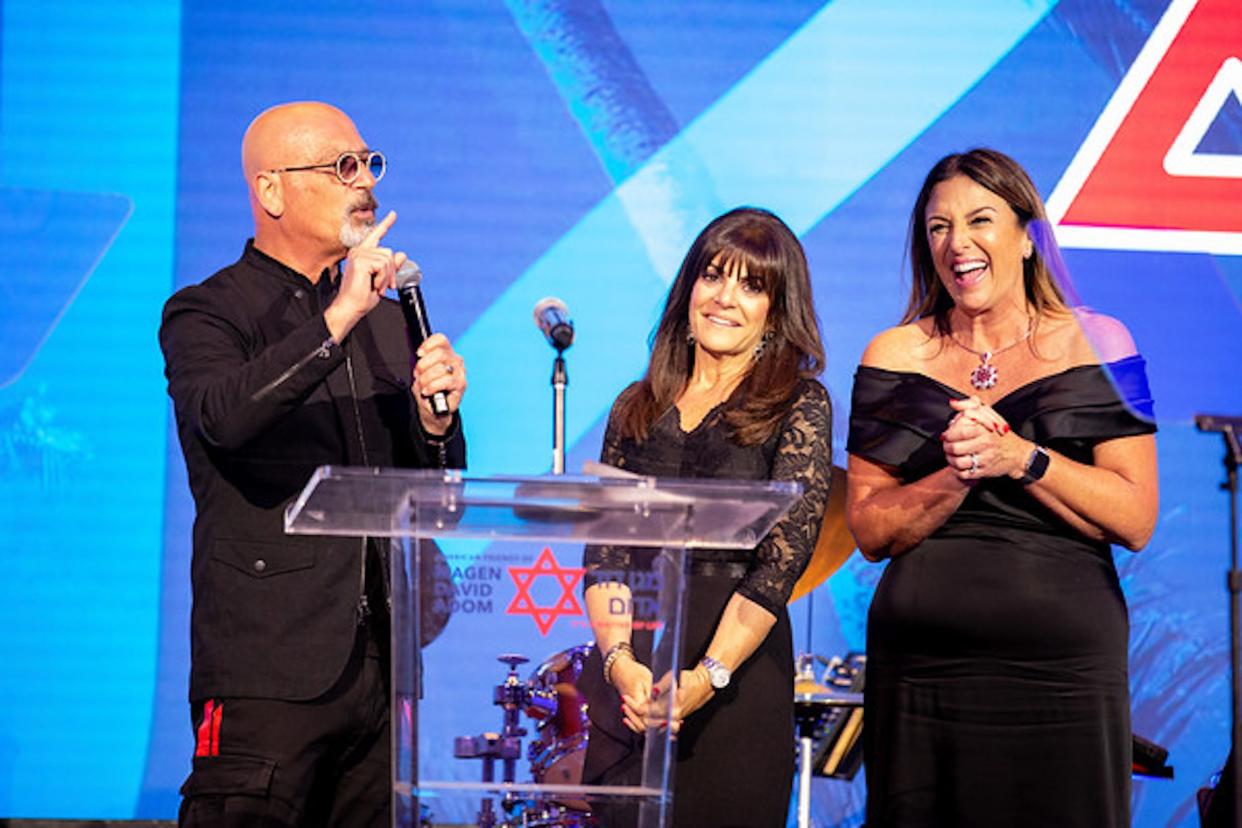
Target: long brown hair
1000 174
771 252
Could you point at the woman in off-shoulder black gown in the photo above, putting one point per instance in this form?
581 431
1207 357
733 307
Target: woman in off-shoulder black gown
997 689
729 393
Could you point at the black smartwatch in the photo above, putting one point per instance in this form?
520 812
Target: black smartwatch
1036 466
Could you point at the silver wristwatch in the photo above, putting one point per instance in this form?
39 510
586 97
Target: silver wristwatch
717 673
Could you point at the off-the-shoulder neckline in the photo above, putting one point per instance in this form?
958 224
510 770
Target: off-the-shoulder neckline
1026 386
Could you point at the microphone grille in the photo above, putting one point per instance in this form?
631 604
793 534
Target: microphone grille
549 303
409 274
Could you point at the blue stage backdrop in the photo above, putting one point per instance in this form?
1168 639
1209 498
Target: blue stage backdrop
545 147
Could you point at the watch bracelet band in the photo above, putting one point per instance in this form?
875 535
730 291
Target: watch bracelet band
712 666
615 652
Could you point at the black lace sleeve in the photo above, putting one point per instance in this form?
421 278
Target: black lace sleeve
604 563
804 454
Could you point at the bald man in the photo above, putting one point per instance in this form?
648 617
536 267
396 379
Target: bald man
289 359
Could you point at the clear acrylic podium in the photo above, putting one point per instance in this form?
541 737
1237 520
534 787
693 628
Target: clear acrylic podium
492 569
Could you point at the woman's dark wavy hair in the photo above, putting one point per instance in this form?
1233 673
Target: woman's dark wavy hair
1002 175
771 252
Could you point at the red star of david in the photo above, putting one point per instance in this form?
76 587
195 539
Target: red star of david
524 576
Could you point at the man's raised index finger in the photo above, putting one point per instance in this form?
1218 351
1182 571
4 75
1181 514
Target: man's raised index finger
377 232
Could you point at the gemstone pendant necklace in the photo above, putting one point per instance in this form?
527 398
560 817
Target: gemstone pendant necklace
985 375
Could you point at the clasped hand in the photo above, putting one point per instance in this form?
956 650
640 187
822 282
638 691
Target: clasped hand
645 705
979 443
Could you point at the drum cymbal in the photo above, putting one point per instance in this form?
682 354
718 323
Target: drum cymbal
803 686
835 543
830 699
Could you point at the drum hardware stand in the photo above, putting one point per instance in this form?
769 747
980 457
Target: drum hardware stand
826 710
513 695
1229 428
809 719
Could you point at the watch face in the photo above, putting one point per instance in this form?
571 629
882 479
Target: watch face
1036 466
717 673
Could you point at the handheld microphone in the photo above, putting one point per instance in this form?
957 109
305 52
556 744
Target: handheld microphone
552 317
417 328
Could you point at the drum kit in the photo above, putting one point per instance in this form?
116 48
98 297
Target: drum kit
551 698
828 712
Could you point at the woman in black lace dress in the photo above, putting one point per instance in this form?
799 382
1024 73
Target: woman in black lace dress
729 393
999 443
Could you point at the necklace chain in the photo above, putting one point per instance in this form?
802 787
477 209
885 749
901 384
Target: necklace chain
985 374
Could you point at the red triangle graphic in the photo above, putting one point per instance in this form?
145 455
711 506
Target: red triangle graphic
1137 182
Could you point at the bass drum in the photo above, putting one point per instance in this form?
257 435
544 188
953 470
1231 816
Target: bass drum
558 747
559 744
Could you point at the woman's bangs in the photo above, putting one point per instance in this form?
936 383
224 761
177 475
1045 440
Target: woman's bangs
762 262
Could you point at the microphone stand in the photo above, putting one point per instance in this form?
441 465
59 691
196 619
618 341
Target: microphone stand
560 379
1232 459
552 317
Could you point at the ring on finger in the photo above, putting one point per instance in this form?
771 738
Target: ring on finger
448 368
974 464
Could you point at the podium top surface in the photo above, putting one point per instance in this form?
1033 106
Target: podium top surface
630 510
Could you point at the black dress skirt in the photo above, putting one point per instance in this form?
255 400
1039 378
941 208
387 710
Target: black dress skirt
997 648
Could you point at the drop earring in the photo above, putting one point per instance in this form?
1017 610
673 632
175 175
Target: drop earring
763 344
